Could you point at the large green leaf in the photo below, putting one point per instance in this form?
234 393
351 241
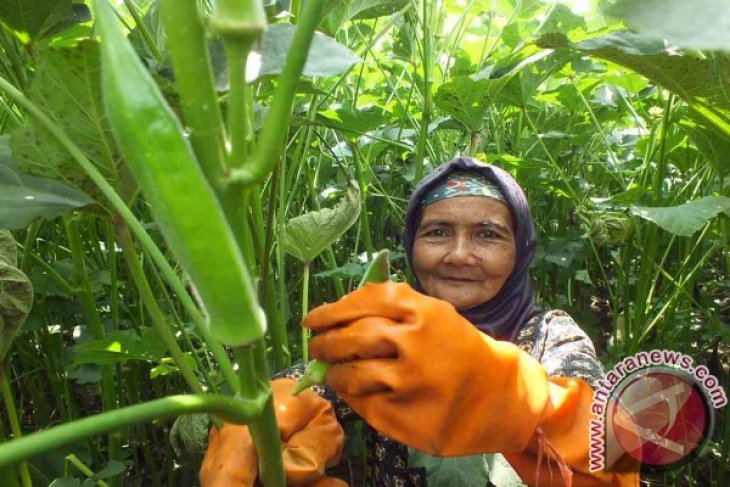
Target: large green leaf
340 11
189 434
704 83
307 235
24 198
699 24
684 219
468 100
66 86
34 19
326 57
16 293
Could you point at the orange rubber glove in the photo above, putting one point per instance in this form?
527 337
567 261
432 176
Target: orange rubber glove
420 373
312 440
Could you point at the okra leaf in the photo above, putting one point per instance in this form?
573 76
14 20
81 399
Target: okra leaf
67 86
307 235
16 293
684 219
189 434
112 469
692 78
340 11
31 20
466 471
24 198
326 57
120 346
700 24
468 100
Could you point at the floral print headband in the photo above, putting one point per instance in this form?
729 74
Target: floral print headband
462 184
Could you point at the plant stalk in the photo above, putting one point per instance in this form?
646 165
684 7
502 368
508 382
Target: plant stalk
93 321
273 135
150 302
12 413
235 410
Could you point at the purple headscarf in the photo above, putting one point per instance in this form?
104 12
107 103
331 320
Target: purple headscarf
504 315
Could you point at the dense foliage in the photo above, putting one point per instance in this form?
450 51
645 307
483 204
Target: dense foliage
621 141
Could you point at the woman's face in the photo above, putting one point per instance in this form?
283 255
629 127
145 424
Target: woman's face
464 250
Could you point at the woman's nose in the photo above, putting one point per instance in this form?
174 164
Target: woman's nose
460 252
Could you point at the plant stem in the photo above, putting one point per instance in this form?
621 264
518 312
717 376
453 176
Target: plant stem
273 135
277 326
14 423
232 409
426 63
158 318
74 460
186 40
305 310
93 321
139 21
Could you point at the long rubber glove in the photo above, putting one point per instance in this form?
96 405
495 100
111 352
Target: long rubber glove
421 374
312 440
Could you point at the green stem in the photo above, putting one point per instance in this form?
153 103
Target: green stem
14 423
187 44
305 310
158 318
232 409
139 21
74 460
273 135
30 238
93 320
264 429
426 63
277 326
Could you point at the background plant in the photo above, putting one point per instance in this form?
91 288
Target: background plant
620 140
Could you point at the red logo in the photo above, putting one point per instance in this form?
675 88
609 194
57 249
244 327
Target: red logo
660 418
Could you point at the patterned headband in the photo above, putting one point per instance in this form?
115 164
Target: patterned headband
462 184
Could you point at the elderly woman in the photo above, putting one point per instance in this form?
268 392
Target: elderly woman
463 363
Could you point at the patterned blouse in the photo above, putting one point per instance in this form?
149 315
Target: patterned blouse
553 338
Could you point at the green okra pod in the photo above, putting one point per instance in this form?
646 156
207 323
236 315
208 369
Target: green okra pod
316 370
183 202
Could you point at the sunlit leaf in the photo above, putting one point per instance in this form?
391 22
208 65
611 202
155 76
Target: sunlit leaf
337 12
468 100
66 85
31 20
121 346
307 235
685 219
699 24
704 83
326 57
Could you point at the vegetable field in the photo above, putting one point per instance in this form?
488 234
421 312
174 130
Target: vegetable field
182 180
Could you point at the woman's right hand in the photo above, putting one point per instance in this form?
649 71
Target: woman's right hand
312 440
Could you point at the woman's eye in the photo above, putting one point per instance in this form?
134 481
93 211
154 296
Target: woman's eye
436 232
488 234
